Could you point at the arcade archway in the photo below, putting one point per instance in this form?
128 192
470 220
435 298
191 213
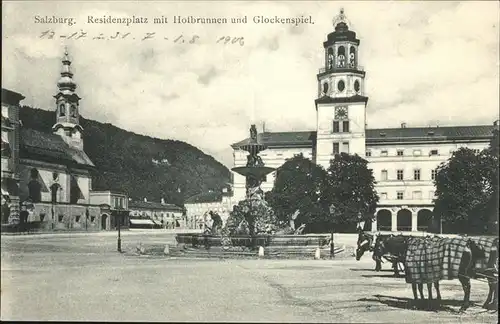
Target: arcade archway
404 220
384 220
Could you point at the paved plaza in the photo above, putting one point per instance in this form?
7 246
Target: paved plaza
82 277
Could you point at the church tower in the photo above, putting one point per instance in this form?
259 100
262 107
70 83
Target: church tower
67 107
341 104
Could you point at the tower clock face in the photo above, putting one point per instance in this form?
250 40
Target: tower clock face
340 112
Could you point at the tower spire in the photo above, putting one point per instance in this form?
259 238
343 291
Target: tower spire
67 106
66 84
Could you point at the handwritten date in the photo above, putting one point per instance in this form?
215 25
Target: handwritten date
180 39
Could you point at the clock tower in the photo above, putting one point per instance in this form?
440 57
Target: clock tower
341 103
67 107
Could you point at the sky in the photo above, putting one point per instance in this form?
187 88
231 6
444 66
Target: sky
426 63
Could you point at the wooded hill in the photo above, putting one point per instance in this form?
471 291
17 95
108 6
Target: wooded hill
138 165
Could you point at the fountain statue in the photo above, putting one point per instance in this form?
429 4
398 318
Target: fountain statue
252 214
252 222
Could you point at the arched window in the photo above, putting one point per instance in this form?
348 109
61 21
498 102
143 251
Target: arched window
330 59
352 57
73 110
341 57
62 109
34 186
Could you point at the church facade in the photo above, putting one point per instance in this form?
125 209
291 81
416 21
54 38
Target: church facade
403 160
48 179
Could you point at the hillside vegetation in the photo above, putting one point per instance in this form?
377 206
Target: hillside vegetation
139 165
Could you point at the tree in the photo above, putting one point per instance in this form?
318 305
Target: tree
298 188
490 158
349 191
464 190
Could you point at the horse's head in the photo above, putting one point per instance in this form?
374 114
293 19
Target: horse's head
364 243
476 252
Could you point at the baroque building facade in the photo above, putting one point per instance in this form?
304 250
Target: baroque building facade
48 174
403 160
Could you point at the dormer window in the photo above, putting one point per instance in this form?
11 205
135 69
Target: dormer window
383 153
433 153
382 134
430 133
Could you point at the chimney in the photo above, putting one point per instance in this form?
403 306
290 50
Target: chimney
403 125
163 201
263 127
145 199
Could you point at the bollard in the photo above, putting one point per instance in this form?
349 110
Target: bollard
166 251
140 248
317 255
261 251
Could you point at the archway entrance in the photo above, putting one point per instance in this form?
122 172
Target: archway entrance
104 222
424 220
384 220
404 220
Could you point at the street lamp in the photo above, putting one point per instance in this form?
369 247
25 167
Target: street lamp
119 231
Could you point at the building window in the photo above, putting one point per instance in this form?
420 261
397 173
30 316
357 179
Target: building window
400 174
345 147
77 219
345 126
400 152
383 176
383 195
42 217
336 148
383 153
34 186
416 174
433 174
368 153
434 152
92 219
417 195
400 195
5 111
60 218
336 127
417 152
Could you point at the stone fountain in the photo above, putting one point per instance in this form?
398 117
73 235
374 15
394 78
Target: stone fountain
252 222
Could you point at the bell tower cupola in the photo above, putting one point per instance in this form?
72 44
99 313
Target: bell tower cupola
341 102
67 107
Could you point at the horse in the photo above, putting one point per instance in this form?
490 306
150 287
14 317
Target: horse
469 254
366 242
488 269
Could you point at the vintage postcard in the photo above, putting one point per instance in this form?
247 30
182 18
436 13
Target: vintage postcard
244 161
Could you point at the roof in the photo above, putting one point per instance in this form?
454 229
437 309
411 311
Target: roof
152 205
302 138
48 146
382 135
205 197
11 97
418 134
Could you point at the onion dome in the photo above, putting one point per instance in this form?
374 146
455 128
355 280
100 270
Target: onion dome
342 32
66 80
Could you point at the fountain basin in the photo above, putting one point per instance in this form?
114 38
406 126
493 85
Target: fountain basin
197 239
